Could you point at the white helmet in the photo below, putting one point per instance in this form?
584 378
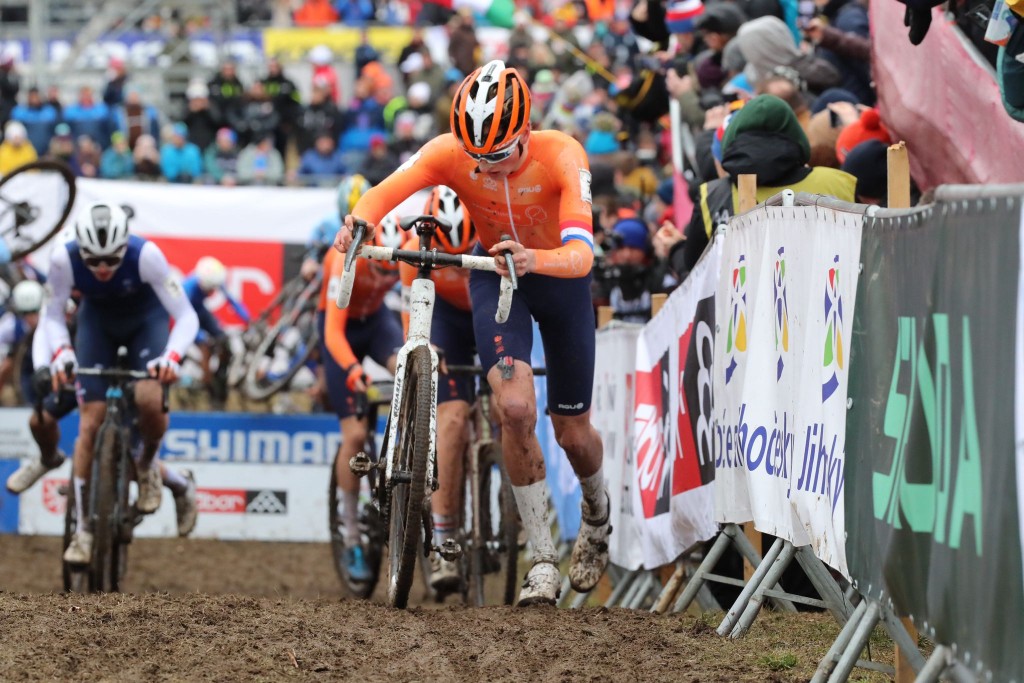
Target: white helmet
27 297
389 233
102 230
211 273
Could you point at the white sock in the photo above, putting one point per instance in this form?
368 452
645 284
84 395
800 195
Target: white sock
80 503
532 501
445 527
595 500
350 516
174 481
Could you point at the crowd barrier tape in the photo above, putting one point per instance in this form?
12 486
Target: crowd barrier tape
856 344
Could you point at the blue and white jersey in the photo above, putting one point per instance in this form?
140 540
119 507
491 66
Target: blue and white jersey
141 282
12 330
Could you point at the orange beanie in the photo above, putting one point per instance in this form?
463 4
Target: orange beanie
869 127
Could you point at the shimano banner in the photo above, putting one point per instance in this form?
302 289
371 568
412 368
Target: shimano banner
788 284
611 415
933 452
672 434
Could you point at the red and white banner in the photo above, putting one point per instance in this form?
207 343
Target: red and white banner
675 470
612 416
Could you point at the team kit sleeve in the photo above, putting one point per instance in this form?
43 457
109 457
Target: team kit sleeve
8 332
52 333
575 218
423 169
155 272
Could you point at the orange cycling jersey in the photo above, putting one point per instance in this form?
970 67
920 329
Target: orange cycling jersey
368 292
546 203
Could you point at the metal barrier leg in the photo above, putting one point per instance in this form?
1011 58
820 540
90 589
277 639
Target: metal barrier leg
823 582
935 665
748 590
647 585
753 556
771 579
696 582
828 662
621 587
627 599
564 592
907 644
860 638
707 601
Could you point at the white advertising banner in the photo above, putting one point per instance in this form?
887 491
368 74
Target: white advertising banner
611 415
236 501
788 283
673 485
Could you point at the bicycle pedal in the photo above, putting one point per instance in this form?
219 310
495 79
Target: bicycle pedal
360 464
449 551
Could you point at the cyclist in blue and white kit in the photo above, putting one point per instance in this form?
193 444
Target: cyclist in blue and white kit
208 278
128 295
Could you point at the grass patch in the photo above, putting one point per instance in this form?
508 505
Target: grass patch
778 661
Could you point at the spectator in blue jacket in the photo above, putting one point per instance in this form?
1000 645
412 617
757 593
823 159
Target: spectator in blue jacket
89 117
39 117
323 160
116 162
180 160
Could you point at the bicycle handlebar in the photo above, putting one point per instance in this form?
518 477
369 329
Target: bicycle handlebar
419 258
477 370
128 375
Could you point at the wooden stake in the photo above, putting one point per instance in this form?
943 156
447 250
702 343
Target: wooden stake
899 176
746 188
899 198
605 314
657 301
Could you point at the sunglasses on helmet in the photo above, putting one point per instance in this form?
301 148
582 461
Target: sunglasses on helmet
496 157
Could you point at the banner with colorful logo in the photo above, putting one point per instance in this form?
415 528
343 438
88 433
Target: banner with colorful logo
934 453
672 488
780 373
612 416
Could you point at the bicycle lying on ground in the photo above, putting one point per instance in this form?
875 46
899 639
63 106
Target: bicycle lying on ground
407 469
35 200
113 516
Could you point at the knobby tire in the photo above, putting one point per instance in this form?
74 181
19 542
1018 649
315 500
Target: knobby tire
406 528
104 570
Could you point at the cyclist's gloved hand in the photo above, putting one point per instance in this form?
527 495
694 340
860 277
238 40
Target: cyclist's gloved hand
166 368
42 382
356 380
63 360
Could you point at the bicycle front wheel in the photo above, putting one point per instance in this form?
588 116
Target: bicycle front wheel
107 554
35 200
409 477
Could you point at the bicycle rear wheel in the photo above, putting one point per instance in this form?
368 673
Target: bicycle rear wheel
76 577
509 535
108 555
410 460
35 200
369 528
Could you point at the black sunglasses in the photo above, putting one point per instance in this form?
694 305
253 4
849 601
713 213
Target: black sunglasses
97 261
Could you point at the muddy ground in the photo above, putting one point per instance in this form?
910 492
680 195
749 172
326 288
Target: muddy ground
234 611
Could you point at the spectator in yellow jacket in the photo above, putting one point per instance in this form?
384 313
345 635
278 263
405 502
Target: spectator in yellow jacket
15 150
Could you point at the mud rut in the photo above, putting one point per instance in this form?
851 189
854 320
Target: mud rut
234 611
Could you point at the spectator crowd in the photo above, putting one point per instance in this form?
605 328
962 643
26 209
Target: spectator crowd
778 88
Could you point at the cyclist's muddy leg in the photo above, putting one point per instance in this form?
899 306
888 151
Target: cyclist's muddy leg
153 420
583 448
524 461
90 417
353 436
452 435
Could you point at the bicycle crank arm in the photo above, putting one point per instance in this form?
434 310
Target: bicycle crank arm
450 550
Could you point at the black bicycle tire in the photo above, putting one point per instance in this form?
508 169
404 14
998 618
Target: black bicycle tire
103 504
253 389
510 539
477 578
406 528
358 589
256 332
69 177
76 580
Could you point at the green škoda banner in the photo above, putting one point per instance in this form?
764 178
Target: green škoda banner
931 504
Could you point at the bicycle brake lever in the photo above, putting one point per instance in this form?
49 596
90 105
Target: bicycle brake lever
510 264
357 240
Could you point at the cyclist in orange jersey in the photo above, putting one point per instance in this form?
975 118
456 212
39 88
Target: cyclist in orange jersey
534 187
451 331
366 328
